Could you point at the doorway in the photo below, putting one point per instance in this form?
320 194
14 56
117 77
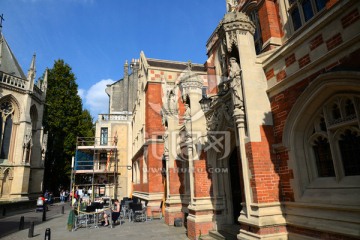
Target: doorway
235 183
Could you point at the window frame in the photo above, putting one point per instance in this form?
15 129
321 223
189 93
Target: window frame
306 186
104 139
297 4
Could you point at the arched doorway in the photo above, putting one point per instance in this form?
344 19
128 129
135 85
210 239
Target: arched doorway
235 183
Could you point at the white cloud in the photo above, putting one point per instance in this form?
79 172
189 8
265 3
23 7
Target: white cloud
81 93
95 99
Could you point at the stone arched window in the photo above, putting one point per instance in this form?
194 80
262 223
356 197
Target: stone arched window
7 177
322 135
7 112
334 138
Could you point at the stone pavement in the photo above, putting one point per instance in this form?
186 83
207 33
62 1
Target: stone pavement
155 229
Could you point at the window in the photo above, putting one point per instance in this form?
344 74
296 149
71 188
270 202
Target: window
104 136
257 35
302 11
6 122
321 137
335 139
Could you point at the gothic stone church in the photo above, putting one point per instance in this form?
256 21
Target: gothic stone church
22 141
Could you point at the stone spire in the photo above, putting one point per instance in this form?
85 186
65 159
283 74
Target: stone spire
32 73
45 82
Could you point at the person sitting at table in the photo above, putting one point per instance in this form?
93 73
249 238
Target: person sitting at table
114 215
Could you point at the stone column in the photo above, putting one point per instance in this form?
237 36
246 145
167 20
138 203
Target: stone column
200 218
261 216
174 175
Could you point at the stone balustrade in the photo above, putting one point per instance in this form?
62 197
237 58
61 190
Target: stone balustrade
114 117
12 80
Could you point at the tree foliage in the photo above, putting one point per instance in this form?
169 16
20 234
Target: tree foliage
64 120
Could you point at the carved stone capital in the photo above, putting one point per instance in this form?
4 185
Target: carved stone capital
235 24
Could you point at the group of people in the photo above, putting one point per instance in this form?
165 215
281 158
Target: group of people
64 195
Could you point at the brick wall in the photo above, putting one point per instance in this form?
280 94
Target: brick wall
196 229
265 181
153 105
202 178
334 41
269 20
155 178
176 178
212 82
264 230
170 216
350 18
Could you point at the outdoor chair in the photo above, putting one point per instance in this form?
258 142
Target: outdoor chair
139 213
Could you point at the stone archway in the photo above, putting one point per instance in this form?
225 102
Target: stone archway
6 183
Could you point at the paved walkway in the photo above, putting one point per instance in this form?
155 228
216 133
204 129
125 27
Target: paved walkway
155 229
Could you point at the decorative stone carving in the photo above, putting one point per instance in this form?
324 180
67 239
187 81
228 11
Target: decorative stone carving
189 81
235 83
172 102
231 5
221 114
27 137
44 146
235 23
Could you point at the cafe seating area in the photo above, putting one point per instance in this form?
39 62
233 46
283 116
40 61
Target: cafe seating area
91 215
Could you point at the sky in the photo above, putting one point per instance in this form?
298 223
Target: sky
96 37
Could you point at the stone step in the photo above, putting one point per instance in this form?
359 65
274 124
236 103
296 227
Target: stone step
206 237
228 232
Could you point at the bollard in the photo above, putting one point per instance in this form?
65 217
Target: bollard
62 209
44 214
47 234
21 225
31 230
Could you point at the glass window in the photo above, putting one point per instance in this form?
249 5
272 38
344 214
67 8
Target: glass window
349 108
349 144
295 16
307 9
320 4
6 115
254 16
335 139
302 11
324 162
336 112
104 136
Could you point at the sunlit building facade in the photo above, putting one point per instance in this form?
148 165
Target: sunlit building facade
22 140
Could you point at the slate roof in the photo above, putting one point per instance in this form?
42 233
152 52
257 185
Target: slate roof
8 62
175 65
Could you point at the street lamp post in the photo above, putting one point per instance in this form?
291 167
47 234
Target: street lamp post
71 178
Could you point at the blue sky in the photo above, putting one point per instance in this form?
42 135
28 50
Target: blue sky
95 37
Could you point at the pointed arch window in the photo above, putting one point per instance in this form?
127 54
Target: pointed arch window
349 144
6 121
324 162
335 139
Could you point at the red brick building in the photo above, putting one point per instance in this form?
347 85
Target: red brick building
275 156
266 146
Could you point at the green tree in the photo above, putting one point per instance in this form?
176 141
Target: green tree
64 120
